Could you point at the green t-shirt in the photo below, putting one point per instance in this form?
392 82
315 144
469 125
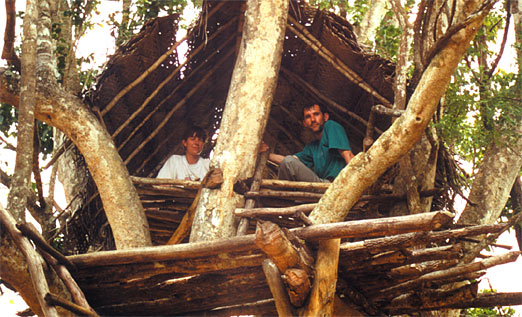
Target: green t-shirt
322 156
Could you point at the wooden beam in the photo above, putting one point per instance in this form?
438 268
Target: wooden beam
322 296
273 278
348 229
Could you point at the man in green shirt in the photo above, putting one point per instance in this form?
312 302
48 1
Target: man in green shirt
320 160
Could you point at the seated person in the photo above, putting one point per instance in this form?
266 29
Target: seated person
190 166
322 159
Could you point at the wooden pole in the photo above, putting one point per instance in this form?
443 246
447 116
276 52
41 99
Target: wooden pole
273 278
256 184
349 229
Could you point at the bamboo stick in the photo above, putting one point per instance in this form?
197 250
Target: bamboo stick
294 77
162 84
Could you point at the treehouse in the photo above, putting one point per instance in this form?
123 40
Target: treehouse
388 263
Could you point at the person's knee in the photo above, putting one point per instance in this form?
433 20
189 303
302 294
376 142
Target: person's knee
288 161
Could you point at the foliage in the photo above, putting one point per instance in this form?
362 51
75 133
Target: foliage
144 10
490 311
480 107
387 38
8 116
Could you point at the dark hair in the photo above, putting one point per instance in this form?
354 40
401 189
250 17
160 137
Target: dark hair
309 106
198 131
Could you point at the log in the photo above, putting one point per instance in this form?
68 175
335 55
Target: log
274 212
312 196
271 240
284 194
376 227
273 277
428 300
256 184
322 296
490 300
369 247
76 293
348 229
399 257
166 181
298 283
278 184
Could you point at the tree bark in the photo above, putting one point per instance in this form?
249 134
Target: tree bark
365 168
20 183
244 119
501 163
371 21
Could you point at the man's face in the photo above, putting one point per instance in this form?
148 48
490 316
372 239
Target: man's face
314 118
193 145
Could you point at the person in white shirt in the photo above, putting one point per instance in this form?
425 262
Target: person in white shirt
190 166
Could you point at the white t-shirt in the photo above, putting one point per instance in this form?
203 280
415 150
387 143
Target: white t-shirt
177 167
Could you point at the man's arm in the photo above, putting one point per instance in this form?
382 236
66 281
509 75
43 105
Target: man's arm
347 155
276 158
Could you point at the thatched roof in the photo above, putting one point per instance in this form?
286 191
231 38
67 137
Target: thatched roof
199 97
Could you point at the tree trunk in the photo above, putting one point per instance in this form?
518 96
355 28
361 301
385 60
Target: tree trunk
244 119
20 183
365 168
371 21
502 161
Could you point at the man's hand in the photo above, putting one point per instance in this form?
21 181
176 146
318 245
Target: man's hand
347 155
276 158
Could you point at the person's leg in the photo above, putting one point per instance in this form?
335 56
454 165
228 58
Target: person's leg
292 169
